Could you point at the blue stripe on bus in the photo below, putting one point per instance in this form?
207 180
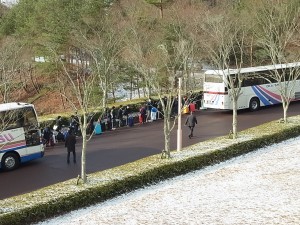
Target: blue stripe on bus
216 99
30 157
268 96
260 96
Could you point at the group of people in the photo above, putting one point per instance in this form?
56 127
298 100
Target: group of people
116 117
64 134
150 111
111 119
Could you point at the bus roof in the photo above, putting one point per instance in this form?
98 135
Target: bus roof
14 105
253 69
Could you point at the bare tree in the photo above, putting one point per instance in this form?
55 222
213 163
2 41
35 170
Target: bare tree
224 44
161 61
103 51
29 78
77 86
278 28
163 85
9 67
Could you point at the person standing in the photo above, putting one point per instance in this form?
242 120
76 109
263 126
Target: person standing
142 116
70 145
126 114
107 119
74 123
120 116
153 113
191 121
148 110
58 124
47 134
113 114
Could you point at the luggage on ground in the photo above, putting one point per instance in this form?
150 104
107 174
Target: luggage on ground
130 121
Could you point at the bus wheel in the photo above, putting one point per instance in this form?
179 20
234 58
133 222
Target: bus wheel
254 104
10 161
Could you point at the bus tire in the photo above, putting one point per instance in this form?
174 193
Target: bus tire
10 161
254 104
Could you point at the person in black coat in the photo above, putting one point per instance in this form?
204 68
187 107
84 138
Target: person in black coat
120 116
191 121
70 145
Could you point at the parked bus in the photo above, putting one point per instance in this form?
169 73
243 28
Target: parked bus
256 90
20 136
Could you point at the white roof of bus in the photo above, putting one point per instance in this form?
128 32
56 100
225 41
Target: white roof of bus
253 69
14 105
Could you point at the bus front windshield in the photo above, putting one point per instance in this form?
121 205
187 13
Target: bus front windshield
17 118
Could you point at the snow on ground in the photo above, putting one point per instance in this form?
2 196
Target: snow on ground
259 188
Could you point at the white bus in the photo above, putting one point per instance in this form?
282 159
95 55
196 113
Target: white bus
256 91
20 136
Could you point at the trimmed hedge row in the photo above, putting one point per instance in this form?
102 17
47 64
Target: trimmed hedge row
165 170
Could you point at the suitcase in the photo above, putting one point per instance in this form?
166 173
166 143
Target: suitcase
140 119
98 129
185 109
130 121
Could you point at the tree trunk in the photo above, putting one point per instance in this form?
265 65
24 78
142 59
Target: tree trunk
62 99
167 148
285 108
234 119
104 99
33 81
138 87
131 88
84 145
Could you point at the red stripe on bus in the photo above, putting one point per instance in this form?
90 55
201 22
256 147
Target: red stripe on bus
215 92
10 145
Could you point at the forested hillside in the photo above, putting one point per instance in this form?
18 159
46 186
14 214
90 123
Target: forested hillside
88 48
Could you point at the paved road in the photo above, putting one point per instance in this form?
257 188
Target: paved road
124 145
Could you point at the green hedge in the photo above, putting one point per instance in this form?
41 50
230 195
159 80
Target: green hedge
141 174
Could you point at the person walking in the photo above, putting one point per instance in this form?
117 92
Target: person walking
191 121
70 145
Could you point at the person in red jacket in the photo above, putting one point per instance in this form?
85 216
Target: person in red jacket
142 116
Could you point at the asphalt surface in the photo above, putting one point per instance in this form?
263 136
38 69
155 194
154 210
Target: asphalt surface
127 144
